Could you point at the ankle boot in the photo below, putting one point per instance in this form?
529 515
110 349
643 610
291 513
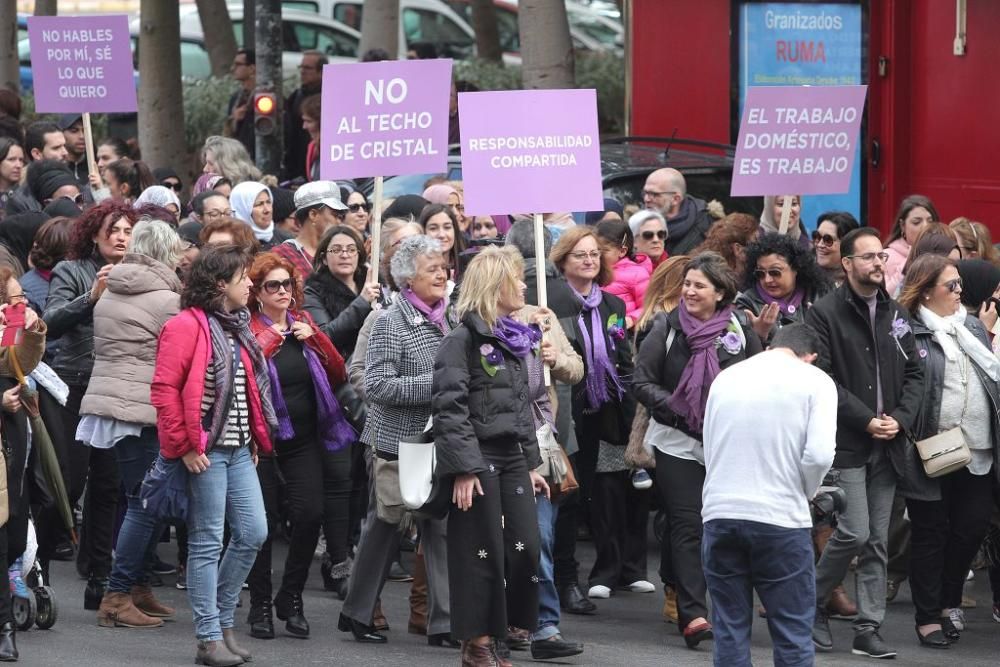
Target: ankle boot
146 602
418 596
118 611
8 643
288 608
259 619
478 655
379 621
229 639
215 654
94 593
335 576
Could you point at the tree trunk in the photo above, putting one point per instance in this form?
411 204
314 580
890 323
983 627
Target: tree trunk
380 27
546 47
46 7
220 41
161 108
484 23
10 71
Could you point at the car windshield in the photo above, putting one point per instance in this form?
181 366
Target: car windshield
595 28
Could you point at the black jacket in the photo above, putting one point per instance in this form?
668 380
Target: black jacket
657 371
913 482
849 351
471 408
688 229
296 138
337 311
69 315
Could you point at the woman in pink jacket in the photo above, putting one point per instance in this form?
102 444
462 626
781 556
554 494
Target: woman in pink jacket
211 392
631 271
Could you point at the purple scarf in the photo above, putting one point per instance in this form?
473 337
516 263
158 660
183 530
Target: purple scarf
334 431
691 394
600 371
789 306
517 337
433 313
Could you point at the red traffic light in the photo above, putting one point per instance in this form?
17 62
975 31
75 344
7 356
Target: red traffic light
264 103
265 106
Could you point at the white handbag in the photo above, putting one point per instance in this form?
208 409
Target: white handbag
422 492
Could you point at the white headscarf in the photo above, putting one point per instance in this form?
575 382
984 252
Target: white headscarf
241 200
159 195
954 338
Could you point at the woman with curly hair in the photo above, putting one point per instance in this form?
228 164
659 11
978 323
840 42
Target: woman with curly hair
98 242
730 237
783 281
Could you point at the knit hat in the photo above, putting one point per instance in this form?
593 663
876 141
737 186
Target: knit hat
979 280
50 181
284 203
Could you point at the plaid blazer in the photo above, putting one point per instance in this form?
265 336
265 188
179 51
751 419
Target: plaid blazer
399 369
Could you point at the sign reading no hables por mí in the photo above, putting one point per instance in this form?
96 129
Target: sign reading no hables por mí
797 140
81 64
530 151
385 118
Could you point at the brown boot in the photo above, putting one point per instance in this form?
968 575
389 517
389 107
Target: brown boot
478 655
670 604
118 611
418 596
840 606
229 639
146 602
379 621
215 654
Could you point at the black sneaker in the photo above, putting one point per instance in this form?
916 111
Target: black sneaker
870 643
822 637
160 567
554 647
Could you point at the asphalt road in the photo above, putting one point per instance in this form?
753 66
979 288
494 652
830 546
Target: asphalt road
627 630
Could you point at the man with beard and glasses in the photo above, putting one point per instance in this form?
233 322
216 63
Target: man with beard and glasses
867 346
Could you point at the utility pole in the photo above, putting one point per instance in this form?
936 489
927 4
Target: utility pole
268 95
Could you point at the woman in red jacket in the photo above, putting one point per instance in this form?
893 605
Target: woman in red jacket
311 447
212 396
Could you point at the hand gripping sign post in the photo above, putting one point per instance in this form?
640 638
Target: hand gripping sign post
531 150
797 139
82 64
383 118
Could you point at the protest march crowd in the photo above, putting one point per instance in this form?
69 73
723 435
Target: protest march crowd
811 416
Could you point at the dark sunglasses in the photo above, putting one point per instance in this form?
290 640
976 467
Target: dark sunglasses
272 286
953 285
823 239
176 187
354 208
759 274
660 234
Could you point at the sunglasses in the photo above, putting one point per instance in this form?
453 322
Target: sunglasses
649 235
760 274
953 285
823 239
176 187
273 286
354 208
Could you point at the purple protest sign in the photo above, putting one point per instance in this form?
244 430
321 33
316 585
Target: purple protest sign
530 151
797 140
385 118
81 64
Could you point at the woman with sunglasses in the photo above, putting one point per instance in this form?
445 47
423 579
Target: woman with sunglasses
304 368
649 229
783 281
630 272
830 228
358 212
950 514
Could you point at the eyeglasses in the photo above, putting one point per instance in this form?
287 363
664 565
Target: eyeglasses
870 256
580 256
653 194
823 239
354 208
953 285
176 187
649 234
274 286
349 250
215 215
760 274
13 299
239 64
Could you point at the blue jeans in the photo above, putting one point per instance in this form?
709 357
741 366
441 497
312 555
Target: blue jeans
140 530
228 491
740 556
548 597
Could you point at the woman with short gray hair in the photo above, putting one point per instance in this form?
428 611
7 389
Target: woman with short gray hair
399 365
142 293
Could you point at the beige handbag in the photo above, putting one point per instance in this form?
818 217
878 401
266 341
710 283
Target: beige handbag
389 505
636 454
4 497
944 453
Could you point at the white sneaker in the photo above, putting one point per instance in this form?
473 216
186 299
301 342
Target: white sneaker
601 592
641 586
957 617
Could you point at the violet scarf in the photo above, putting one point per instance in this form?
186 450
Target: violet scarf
517 337
601 372
789 306
433 313
691 394
334 431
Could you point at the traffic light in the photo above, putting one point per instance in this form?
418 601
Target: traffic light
265 110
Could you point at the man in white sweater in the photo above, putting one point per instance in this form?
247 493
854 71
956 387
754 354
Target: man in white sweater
769 437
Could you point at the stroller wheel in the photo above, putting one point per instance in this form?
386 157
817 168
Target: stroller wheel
24 611
47 607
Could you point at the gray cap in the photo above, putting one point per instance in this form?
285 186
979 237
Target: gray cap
319 192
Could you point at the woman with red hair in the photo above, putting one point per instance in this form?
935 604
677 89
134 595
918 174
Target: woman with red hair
311 446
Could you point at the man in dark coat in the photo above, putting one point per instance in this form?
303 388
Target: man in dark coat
239 112
296 138
867 346
688 218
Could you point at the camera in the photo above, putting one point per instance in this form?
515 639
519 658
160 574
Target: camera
829 501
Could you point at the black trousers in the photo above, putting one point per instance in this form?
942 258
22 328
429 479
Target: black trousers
946 534
618 518
493 552
681 481
359 498
338 496
575 510
13 542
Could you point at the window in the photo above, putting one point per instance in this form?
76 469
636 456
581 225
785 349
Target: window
194 61
312 37
348 13
302 6
421 25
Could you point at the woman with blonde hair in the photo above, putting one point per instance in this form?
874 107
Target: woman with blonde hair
488 390
228 158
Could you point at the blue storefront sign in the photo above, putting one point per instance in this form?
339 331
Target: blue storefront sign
795 44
